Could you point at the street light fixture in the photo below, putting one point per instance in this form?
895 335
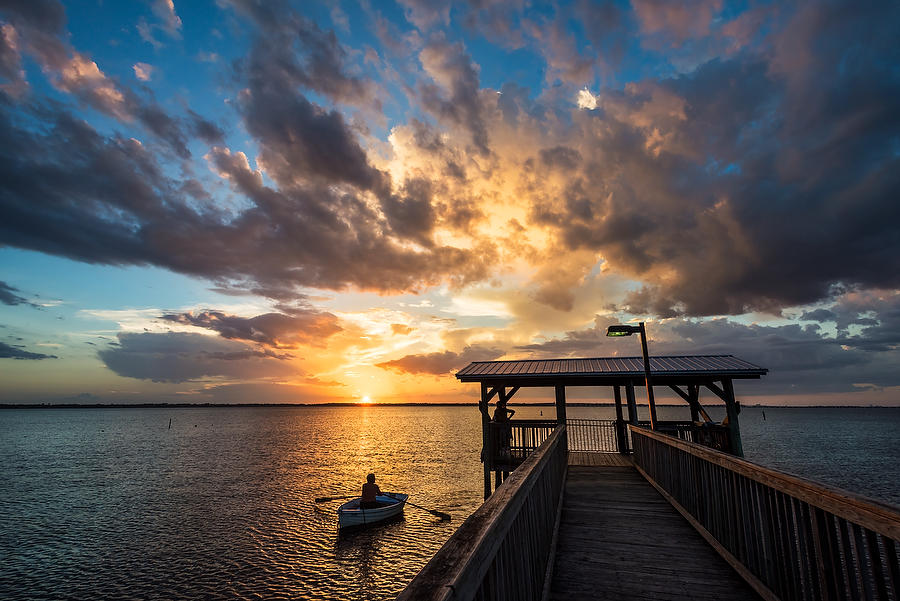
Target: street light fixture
626 330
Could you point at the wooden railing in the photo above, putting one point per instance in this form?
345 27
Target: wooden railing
502 551
601 436
511 442
714 436
788 537
592 435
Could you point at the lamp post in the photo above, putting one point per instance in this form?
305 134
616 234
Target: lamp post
626 330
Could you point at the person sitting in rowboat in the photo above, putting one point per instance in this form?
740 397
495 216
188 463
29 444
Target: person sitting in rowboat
369 492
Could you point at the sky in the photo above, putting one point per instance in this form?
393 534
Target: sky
267 201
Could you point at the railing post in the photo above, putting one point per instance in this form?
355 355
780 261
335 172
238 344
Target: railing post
621 441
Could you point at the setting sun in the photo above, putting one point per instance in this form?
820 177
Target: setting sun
366 399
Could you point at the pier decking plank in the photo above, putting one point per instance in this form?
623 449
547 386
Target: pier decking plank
619 539
599 459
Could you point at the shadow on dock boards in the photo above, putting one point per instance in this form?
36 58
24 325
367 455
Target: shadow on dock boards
620 539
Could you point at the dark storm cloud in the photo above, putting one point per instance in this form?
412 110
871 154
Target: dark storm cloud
45 15
166 128
411 214
299 140
74 193
182 357
271 329
454 97
13 352
205 129
606 25
752 183
440 363
801 358
561 157
332 240
296 52
302 142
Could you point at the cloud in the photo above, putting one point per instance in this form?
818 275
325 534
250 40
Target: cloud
303 327
44 15
292 51
13 352
165 12
426 13
77 74
128 211
9 296
167 21
676 22
586 100
183 357
143 71
442 362
759 180
205 129
454 97
401 329
800 357
11 62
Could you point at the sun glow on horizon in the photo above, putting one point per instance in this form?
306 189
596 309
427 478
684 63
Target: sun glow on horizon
366 400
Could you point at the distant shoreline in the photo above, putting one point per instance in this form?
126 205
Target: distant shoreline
336 404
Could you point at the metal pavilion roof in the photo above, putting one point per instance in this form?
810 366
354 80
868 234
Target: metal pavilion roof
612 367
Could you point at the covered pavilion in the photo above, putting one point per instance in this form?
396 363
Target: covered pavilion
683 374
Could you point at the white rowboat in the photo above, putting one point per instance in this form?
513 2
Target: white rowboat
390 505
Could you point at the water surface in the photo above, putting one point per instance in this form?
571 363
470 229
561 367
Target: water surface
112 503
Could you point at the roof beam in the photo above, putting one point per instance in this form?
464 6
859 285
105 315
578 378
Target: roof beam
694 403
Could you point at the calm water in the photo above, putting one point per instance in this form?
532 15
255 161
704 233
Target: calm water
111 503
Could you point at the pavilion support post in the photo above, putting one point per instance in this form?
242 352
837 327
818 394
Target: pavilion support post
734 427
621 442
560 403
485 438
561 411
632 405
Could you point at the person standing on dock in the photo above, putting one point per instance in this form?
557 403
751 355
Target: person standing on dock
369 491
502 415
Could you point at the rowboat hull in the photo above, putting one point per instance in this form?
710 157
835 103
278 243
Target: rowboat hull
350 514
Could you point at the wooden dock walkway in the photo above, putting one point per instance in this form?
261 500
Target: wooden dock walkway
620 539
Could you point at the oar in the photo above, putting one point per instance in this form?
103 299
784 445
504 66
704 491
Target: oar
326 499
440 514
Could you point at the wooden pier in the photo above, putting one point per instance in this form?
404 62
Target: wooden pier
620 539
612 509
